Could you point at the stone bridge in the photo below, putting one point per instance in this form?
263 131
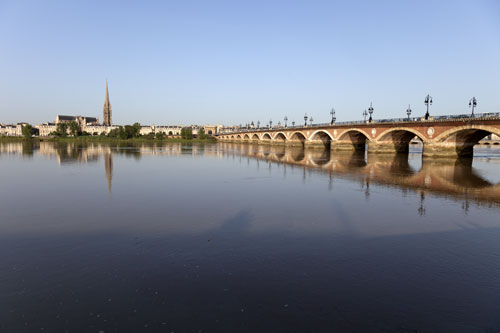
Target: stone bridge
445 136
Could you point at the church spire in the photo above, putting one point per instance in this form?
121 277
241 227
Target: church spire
107 93
107 109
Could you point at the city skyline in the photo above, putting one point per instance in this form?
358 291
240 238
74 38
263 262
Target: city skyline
173 63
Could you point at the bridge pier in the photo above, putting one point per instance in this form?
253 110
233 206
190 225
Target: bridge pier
449 149
316 144
295 143
388 147
347 146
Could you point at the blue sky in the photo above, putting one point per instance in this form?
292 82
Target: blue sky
231 62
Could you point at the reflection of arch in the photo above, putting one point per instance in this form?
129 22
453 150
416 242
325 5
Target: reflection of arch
280 136
298 154
320 157
466 137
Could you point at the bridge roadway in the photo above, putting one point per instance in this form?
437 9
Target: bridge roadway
444 136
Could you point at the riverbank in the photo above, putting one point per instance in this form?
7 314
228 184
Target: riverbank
106 139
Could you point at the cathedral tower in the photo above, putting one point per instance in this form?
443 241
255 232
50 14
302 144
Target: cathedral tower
106 110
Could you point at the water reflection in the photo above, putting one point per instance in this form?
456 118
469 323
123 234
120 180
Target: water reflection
450 178
224 238
447 177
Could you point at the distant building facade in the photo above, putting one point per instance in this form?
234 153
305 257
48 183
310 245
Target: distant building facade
80 120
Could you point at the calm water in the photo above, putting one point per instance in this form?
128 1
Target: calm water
240 238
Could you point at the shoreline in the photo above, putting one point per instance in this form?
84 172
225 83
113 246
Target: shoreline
104 140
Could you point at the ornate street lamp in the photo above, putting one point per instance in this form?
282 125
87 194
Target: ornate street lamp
305 119
270 123
311 120
258 123
332 112
427 102
408 111
293 123
370 111
279 123
473 104
286 119
365 113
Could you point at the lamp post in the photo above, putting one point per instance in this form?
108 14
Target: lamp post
408 111
365 113
305 119
258 123
370 111
279 124
473 104
286 119
293 123
332 112
311 120
427 102
270 123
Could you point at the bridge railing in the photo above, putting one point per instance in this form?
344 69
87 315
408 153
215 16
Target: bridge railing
484 115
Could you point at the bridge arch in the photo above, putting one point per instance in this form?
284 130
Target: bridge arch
352 139
238 137
464 138
320 138
297 139
398 139
255 137
266 137
280 137
232 137
467 130
246 137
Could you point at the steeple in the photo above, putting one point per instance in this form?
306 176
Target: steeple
106 102
107 109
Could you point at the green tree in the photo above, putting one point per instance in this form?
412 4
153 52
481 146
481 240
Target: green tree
136 130
187 133
201 134
62 130
74 128
27 131
160 136
122 133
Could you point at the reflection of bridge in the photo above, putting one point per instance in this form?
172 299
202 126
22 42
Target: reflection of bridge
456 178
441 136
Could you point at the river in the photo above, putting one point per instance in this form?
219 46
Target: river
246 238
